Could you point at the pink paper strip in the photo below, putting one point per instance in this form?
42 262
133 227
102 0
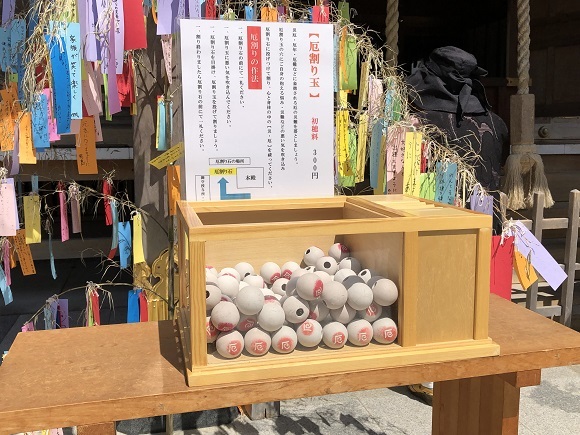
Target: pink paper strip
75 126
98 129
75 209
166 47
8 211
63 215
6 261
52 134
94 87
28 327
15 168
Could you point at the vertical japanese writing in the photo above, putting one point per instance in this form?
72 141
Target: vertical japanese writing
241 67
228 78
314 61
282 103
314 137
269 104
295 92
255 57
214 110
199 89
74 73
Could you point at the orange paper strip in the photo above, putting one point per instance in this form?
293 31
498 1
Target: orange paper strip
24 254
27 154
87 147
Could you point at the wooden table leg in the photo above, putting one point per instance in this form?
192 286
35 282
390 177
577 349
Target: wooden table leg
97 429
259 411
488 405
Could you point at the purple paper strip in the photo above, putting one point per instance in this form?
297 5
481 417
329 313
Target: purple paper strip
540 258
63 311
88 24
481 201
194 8
15 168
113 91
166 15
108 48
8 8
119 18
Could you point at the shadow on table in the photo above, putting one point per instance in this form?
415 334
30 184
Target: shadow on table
170 346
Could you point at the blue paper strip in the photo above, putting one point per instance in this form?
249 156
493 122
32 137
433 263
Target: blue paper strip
40 137
5 288
115 241
133 306
335 64
52 266
17 37
161 142
375 154
73 37
60 83
249 10
34 181
445 182
4 48
125 245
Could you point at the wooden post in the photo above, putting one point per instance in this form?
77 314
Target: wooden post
570 257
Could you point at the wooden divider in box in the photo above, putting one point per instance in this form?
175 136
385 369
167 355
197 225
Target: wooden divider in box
394 238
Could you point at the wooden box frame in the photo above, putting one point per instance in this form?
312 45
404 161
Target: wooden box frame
438 255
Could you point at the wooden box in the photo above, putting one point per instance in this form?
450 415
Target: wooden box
438 256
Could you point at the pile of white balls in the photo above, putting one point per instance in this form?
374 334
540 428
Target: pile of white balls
331 300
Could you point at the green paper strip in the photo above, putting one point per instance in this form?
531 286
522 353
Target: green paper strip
427 182
344 11
349 79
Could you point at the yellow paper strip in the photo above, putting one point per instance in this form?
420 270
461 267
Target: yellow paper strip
138 256
412 164
364 85
87 147
342 119
524 270
169 156
32 218
382 175
361 159
342 99
26 153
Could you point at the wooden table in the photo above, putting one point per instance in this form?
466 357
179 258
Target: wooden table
91 377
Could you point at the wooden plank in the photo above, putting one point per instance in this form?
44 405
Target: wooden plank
482 270
149 377
537 227
445 408
408 298
526 378
97 429
571 247
198 339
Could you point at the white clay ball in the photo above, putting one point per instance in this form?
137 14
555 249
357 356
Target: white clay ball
257 342
210 276
225 316
255 281
371 282
334 295
385 292
309 286
279 287
291 286
270 271
211 332
338 251
310 269
246 323
288 268
296 310
230 344
318 310
226 298
244 269
334 335
343 315
350 280
212 296
360 296
312 254
372 313
325 277
342 274
242 285
267 292
385 330
366 274
360 332
350 263
250 300
309 333
284 340
272 316
228 285
231 272
327 264
212 271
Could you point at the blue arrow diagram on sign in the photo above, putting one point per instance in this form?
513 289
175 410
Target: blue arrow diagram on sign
224 195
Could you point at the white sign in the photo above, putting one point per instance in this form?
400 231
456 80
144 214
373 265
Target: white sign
257 109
